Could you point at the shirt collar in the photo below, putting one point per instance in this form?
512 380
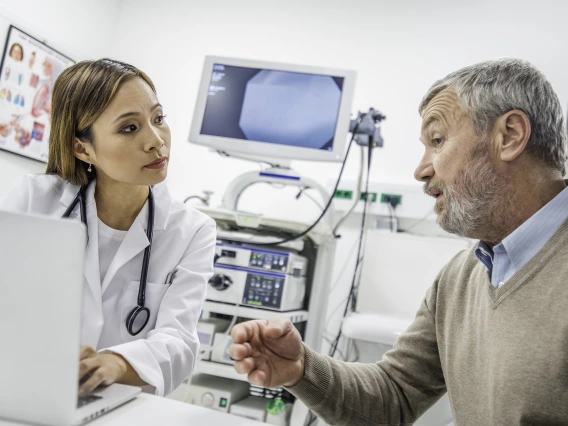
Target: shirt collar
485 255
527 240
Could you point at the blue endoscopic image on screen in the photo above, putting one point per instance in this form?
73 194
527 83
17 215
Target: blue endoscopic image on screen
279 107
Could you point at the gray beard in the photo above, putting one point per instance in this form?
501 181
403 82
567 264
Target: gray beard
472 206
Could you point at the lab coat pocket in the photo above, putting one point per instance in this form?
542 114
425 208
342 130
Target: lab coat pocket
154 295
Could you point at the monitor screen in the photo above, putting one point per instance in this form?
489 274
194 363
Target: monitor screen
279 107
273 110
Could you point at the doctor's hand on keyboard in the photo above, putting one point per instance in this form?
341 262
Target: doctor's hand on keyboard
269 351
99 369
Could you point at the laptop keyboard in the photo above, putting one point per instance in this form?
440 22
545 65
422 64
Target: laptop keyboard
84 400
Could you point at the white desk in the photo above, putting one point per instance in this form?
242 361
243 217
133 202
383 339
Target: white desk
150 410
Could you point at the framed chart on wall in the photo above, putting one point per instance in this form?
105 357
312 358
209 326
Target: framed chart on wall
27 73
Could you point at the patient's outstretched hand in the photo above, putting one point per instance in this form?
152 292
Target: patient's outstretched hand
269 351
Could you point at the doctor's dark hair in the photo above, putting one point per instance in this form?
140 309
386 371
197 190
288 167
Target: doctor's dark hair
80 95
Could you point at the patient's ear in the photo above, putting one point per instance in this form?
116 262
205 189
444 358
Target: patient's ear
513 132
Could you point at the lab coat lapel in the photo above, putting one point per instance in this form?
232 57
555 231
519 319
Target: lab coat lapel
69 194
136 239
163 202
92 312
92 271
134 242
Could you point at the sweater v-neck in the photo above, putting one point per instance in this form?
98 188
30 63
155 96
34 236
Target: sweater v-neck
523 275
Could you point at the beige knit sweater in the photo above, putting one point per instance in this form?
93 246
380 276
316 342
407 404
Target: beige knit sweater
502 355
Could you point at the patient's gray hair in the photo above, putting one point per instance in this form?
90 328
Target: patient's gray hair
489 89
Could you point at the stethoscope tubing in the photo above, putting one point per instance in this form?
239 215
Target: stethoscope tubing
80 199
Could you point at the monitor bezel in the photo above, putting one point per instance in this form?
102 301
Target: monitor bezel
265 149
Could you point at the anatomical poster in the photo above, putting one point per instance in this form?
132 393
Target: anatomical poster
29 69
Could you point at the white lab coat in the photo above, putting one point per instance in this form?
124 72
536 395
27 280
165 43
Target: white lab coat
164 353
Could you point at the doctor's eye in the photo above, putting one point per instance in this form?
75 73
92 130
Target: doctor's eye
129 129
160 119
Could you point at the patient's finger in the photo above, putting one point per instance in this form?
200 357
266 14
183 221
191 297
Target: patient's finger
277 327
245 366
240 351
257 378
245 331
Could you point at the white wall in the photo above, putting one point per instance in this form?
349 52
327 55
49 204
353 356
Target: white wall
399 48
78 28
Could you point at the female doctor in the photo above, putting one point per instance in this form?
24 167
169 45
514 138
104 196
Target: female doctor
108 157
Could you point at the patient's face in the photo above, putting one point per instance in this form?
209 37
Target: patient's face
457 168
130 134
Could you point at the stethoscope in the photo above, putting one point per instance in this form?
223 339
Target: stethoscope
140 315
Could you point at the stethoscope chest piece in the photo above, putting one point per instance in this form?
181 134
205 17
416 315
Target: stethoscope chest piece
137 320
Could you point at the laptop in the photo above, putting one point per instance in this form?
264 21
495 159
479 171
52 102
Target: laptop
41 270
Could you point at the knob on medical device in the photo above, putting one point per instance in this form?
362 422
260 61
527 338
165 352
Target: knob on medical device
207 400
220 282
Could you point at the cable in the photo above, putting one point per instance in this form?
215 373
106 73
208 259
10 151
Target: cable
191 197
469 241
357 275
328 340
363 241
419 221
313 225
351 252
343 268
340 304
357 194
304 191
356 349
351 301
316 202
355 294
392 216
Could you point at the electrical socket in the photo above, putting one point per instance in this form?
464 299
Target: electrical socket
372 194
344 194
387 198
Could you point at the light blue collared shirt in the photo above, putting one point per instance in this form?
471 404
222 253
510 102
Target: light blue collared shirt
524 242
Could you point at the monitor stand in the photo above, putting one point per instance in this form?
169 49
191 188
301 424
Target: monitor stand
277 174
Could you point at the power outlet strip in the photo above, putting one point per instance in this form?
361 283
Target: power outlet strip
412 203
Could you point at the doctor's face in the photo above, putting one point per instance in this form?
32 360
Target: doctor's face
131 142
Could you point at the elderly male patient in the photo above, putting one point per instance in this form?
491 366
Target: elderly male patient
492 330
